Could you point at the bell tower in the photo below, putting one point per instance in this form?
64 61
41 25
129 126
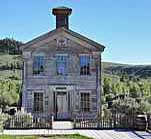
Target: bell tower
62 16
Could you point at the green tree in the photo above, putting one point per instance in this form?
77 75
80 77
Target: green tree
8 93
107 86
135 91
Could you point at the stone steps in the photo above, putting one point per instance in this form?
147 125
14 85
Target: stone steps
62 125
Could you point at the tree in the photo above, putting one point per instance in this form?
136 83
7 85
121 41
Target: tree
145 88
124 77
144 107
134 90
107 86
10 46
3 118
8 93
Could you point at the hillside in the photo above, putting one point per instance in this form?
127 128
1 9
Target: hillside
11 64
10 59
138 71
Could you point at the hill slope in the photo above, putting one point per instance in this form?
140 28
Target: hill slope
139 71
10 62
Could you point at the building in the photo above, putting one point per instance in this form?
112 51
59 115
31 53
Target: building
62 73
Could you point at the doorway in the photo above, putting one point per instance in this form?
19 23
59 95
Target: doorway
62 106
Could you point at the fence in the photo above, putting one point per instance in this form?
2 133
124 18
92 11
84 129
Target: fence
85 123
27 121
114 121
107 123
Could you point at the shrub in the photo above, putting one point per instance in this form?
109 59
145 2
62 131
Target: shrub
3 118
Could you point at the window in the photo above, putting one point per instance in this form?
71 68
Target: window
84 65
85 102
61 64
38 102
38 65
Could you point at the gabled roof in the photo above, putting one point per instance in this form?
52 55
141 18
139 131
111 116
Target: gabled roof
68 31
89 41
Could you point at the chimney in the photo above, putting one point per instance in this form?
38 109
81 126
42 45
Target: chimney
62 16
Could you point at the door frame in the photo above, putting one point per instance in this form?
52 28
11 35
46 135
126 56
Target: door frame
55 93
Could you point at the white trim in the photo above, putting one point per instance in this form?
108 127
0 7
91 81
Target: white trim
38 91
38 54
54 88
61 54
84 88
85 91
53 35
84 54
26 54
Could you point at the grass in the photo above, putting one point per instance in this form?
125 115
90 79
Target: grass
75 136
6 59
18 137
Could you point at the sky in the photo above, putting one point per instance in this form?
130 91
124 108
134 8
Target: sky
123 26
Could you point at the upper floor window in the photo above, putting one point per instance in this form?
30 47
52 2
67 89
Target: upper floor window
38 64
84 65
61 64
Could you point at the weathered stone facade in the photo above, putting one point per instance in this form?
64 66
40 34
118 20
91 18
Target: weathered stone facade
62 41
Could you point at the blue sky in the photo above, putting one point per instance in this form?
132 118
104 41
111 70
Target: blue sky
123 26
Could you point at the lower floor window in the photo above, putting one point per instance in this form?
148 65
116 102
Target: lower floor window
85 102
38 102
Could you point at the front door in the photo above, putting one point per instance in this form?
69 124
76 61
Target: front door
62 106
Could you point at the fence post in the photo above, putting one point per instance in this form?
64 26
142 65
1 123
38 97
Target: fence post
114 119
98 122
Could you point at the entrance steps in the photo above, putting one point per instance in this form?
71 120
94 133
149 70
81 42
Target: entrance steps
62 125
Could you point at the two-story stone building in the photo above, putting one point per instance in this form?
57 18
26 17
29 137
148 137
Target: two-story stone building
62 73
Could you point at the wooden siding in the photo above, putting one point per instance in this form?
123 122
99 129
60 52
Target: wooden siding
33 83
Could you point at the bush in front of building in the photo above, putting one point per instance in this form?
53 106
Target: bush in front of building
3 118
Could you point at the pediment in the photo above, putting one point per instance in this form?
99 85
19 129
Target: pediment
61 38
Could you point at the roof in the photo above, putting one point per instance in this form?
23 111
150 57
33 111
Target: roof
61 7
62 10
72 33
91 42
